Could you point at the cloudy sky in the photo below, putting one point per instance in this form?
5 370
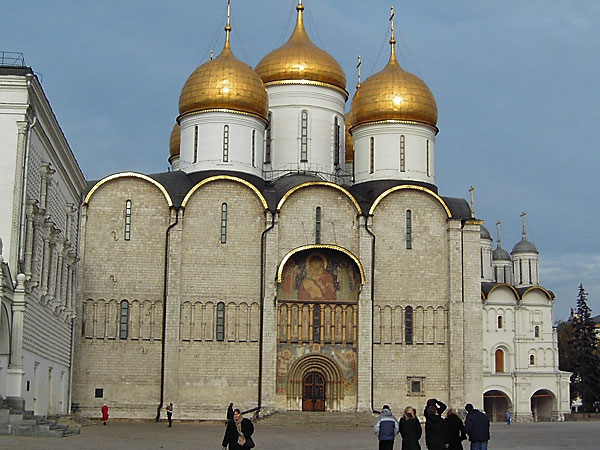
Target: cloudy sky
515 82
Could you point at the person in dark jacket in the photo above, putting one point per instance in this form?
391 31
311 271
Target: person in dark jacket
436 433
477 426
238 434
456 430
410 429
440 407
386 428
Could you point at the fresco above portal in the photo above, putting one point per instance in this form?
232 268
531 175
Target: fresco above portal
319 276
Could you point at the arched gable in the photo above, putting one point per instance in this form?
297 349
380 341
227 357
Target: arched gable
417 188
128 175
319 183
228 178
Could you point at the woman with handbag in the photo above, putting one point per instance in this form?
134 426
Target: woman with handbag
238 434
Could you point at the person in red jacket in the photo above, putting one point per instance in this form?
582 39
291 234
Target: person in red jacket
104 413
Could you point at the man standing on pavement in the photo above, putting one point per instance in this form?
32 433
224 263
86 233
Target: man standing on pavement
386 428
170 414
477 426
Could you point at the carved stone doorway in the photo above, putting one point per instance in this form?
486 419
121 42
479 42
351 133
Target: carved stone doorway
313 392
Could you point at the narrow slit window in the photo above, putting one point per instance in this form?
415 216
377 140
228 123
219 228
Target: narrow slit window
195 144
317 323
408 229
128 220
532 360
304 137
500 322
336 142
224 223
124 320
268 139
536 331
220 321
408 325
253 148
520 271
318 225
481 261
402 153
372 155
428 163
226 143
530 277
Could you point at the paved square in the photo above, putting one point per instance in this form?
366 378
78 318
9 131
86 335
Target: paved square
131 436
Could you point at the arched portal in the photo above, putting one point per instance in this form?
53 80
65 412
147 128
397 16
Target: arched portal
315 383
543 403
495 404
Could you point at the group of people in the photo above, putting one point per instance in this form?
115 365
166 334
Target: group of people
440 433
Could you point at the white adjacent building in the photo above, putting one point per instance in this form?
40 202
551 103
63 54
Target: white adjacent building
40 193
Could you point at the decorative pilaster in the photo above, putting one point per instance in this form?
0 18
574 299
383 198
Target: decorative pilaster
13 254
15 373
46 255
30 215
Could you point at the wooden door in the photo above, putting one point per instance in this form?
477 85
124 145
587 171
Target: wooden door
313 392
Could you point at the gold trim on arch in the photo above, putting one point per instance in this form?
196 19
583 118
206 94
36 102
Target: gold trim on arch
410 186
510 286
229 178
393 121
319 183
533 288
124 175
320 246
308 83
221 110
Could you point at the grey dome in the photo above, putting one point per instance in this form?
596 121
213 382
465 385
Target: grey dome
484 233
500 254
524 247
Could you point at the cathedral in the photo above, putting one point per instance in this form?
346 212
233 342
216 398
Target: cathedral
299 256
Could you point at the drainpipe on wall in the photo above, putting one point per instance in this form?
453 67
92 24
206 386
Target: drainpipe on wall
372 306
164 324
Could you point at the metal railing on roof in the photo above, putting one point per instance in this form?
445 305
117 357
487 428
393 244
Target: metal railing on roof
12 59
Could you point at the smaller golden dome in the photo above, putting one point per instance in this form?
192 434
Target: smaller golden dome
224 83
300 59
349 140
394 94
174 142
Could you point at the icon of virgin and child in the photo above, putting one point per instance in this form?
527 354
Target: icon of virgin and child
315 279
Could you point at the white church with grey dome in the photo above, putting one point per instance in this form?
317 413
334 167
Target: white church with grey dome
297 257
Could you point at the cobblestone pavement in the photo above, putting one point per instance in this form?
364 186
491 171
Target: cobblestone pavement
143 435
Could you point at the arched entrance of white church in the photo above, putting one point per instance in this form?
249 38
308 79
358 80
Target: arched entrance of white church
543 403
495 404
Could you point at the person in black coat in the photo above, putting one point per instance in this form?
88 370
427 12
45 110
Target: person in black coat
440 407
238 433
410 429
436 433
456 430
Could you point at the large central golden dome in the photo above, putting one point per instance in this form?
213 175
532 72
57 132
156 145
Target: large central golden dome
300 59
394 94
224 83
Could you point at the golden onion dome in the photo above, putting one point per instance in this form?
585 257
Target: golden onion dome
224 83
349 140
174 142
301 60
393 94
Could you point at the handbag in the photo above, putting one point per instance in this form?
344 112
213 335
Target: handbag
249 443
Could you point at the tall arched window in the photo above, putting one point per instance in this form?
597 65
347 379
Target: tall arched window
402 153
336 142
225 143
536 331
195 144
499 361
124 320
500 322
408 325
220 321
253 148
408 229
372 155
317 323
318 225
224 223
128 220
428 159
268 138
304 137
532 360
